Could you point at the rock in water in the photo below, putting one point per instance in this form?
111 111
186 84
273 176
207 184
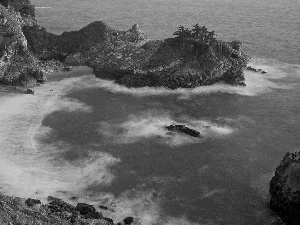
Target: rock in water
285 189
29 91
184 129
128 220
256 70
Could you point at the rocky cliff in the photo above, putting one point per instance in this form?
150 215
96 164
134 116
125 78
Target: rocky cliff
130 58
285 189
192 58
133 60
18 66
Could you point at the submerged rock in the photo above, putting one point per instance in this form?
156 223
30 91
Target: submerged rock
184 129
285 189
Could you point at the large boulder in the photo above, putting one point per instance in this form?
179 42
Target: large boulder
285 189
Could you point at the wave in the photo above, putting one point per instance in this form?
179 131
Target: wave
31 168
151 124
144 206
43 7
257 83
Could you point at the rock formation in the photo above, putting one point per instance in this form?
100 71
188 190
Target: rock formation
14 210
192 58
18 66
285 189
131 59
173 63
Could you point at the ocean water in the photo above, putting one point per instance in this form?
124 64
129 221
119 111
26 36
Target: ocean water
105 144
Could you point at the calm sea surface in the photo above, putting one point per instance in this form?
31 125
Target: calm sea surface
106 144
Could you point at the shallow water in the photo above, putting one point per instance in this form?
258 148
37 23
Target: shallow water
106 143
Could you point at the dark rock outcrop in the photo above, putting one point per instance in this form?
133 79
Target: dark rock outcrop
32 202
29 91
128 220
285 189
184 129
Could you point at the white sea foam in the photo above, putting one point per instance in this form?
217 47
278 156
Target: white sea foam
151 124
32 169
257 83
142 206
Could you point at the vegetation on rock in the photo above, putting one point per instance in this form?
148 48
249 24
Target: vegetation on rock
24 7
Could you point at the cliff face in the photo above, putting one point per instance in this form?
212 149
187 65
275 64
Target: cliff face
17 65
285 189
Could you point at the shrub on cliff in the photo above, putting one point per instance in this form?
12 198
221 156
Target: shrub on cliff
197 33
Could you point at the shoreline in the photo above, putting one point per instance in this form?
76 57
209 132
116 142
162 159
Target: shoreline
53 76
17 210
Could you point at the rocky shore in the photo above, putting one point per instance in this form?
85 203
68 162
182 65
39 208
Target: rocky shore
192 58
18 211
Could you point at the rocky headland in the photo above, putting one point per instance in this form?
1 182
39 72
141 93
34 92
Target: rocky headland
285 189
192 58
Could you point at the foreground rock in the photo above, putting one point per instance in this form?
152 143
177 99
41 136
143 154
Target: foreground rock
14 210
285 189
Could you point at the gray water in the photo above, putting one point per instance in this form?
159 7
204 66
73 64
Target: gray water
106 143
